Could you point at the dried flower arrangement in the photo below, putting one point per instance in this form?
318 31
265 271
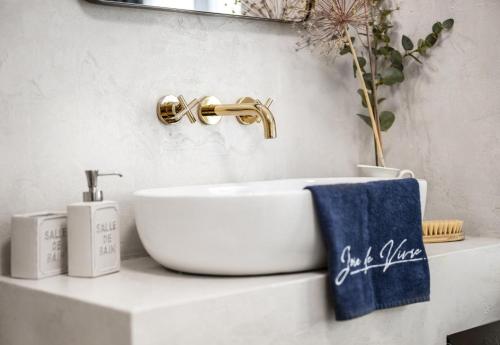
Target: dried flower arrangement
288 10
328 31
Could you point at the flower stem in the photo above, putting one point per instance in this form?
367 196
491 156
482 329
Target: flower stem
373 70
378 144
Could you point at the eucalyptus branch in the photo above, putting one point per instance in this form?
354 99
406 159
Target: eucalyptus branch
386 63
327 32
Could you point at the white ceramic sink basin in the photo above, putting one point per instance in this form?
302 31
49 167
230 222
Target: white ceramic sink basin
236 229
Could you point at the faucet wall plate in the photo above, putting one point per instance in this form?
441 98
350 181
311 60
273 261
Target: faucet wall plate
247 119
206 103
165 109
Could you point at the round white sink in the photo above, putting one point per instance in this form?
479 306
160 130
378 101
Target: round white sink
249 228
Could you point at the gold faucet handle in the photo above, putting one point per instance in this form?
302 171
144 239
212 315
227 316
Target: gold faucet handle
268 103
186 108
249 119
170 109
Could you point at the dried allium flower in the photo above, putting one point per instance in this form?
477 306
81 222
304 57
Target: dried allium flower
292 10
324 32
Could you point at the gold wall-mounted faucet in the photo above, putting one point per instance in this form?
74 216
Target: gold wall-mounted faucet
171 109
247 111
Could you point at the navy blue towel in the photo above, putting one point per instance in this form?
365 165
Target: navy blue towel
373 234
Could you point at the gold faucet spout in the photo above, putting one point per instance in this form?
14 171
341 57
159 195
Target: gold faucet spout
254 109
268 121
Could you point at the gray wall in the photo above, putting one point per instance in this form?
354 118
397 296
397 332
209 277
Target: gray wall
451 132
79 84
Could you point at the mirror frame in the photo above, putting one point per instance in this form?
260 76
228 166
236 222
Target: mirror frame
310 4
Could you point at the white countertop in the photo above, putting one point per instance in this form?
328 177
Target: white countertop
143 287
143 284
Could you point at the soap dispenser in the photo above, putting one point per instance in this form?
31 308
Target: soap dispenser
93 232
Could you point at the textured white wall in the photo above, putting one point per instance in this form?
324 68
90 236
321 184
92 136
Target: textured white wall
451 129
79 84
78 90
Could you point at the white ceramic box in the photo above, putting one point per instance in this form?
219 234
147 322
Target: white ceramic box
93 238
39 245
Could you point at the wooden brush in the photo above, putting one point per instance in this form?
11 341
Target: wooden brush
442 230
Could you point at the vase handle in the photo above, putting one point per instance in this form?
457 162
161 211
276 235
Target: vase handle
406 173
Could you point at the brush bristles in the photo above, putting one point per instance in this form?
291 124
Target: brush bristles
442 230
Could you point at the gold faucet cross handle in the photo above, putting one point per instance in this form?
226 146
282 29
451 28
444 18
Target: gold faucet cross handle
186 108
268 103
249 119
170 109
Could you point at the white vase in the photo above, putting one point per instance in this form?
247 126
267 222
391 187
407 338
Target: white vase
376 171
